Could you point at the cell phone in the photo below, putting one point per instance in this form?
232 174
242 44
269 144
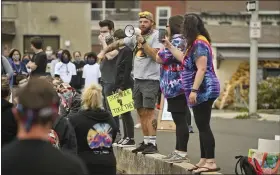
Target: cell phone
161 35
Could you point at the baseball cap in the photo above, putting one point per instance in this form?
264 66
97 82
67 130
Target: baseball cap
147 15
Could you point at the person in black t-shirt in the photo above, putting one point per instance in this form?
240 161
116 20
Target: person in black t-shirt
31 153
38 63
78 81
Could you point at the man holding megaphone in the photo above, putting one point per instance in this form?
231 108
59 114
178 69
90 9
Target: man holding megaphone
145 45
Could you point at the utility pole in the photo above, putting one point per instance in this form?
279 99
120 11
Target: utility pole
255 34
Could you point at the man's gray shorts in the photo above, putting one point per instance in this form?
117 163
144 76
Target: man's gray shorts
145 93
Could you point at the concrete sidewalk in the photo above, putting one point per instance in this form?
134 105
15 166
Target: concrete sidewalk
232 114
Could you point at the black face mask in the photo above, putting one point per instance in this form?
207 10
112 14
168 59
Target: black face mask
65 60
91 62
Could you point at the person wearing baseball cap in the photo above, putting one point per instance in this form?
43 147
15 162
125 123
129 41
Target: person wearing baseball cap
145 45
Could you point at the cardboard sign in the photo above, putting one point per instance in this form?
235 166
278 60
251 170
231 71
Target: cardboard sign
121 103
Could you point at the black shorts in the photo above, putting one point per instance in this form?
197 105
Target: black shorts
177 104
145 93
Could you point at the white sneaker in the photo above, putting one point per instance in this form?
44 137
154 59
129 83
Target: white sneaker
138 125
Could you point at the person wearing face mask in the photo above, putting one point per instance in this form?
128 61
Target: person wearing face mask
77 80
49 53
91 72
57 58
65 69
19 68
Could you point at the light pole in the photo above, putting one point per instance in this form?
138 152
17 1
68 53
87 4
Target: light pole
255 34
103 9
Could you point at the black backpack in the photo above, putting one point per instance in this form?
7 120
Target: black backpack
245 166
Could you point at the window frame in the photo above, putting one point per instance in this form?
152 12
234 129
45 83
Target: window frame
158 9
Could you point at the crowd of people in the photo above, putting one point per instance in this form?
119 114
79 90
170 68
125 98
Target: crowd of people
59 97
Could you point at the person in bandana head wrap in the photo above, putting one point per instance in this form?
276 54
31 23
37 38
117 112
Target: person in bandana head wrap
70 100
31 153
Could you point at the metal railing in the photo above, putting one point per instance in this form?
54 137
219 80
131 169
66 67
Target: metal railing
121 14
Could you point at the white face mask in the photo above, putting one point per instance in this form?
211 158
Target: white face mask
16 57
49 52
106 34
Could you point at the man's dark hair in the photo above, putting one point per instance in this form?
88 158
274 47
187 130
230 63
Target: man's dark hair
108 23
37 42
119 34
175 24
92 54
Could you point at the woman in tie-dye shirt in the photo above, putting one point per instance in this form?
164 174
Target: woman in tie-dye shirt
172 89
200 84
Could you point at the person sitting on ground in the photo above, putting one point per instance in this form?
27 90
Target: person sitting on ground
8 123
96 131
31 153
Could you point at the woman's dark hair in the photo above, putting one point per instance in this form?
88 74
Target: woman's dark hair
37 42
119 34
192 27
175 24
67 53
12 52
108 23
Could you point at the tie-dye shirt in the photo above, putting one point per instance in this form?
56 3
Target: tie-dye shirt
210 86
170 71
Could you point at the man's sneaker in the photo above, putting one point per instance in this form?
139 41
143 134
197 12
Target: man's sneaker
150 149
119 142
140 148
191 129
128 143
176 158
169 156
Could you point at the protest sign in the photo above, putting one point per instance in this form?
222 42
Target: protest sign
121 103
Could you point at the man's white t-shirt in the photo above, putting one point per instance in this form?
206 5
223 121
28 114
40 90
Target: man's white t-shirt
65 71
91 73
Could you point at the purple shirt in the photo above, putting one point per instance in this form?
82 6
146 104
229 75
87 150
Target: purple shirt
210 86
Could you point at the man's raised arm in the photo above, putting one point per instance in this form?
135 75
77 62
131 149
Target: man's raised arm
111 47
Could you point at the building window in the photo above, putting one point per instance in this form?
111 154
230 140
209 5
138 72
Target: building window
162 16
48 40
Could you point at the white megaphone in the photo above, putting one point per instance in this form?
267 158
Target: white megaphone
129 31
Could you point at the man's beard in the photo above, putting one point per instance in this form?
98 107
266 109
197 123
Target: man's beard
146 31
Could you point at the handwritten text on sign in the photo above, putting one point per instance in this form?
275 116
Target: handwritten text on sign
121 103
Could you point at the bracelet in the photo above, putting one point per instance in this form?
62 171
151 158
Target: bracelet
194 90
